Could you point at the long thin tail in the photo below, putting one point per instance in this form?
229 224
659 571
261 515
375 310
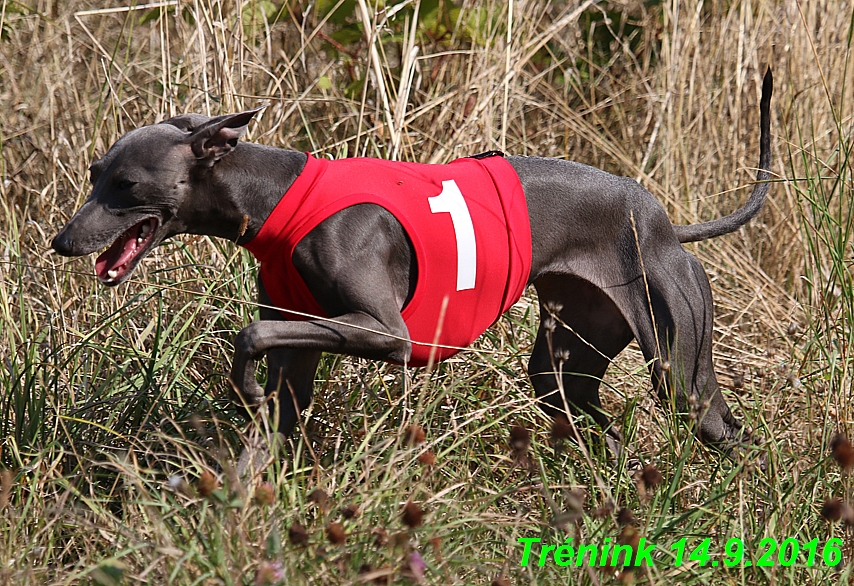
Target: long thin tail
741 216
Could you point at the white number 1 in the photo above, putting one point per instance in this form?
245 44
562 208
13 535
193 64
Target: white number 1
451 200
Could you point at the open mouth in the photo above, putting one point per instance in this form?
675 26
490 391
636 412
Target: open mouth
119 260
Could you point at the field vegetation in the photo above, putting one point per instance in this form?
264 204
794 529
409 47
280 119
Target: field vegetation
120 448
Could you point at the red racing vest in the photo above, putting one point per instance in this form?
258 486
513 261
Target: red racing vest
469 227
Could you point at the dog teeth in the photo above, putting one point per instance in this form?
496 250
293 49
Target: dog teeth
112 273
145 229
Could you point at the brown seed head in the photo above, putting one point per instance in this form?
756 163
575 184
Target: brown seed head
335 533
561 429
520 438
350 511
206 484
843 451
265 494
318 497
625 516
427 458
297 534
501 581
832 509
414 435
412 514
650 476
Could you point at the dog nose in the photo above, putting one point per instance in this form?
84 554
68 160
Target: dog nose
63 244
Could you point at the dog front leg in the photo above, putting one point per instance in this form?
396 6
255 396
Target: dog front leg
355 334
290 377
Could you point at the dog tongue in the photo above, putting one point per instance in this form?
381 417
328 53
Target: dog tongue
121 251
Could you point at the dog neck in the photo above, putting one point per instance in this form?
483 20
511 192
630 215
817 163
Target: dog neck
233 198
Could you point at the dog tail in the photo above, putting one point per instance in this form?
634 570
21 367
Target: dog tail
741 216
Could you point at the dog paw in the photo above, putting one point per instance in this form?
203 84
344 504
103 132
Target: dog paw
247 395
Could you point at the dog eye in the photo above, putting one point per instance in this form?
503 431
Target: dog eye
125 184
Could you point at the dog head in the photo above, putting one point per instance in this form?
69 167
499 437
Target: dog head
143 190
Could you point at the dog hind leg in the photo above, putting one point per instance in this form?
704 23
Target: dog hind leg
678 341
592 333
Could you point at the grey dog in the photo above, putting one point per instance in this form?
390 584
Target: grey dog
606 262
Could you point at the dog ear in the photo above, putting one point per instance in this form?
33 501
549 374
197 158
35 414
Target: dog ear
187 122
218 136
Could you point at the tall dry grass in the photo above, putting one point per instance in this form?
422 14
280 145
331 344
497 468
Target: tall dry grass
112 400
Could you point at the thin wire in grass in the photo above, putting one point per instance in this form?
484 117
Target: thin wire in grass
435 346
265 306
611 361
